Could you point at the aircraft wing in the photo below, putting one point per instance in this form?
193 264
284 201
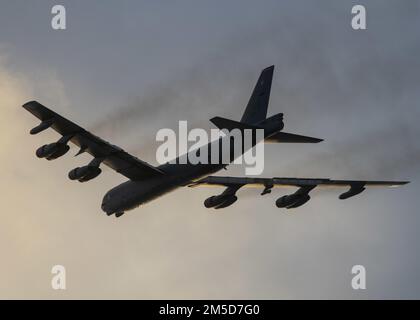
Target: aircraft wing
111 155
289 182
294 200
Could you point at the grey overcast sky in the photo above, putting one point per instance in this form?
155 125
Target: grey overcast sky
124 69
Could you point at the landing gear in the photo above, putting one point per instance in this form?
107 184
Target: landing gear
119 214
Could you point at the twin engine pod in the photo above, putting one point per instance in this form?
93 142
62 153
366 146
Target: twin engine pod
295 200
86 173
292 201
220 201
52 151
223 200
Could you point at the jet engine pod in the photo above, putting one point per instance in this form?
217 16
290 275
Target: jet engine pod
300 201
52 151
286 201
292 201
78 173
220 201
92 174
85 173
213 201
229 200
46 150
62 149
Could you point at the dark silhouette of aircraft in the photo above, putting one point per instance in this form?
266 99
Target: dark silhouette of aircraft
147 182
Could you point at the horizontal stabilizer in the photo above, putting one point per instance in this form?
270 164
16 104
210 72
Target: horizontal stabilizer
284 137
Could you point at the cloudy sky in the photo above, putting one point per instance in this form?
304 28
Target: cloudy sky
126 69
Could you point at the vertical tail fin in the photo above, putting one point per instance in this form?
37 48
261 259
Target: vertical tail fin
256 110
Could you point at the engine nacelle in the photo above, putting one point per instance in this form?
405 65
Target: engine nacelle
52 151
220 201
300 202
292 201
286 201
229 200
213 201
83 174
46 150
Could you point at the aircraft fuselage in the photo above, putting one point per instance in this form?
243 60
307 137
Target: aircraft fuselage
131 194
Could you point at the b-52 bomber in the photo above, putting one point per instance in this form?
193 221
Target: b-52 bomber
147 182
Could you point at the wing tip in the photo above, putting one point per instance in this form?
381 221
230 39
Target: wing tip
312 139
396 184
29 104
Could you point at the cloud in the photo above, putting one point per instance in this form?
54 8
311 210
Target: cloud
323 75
23 187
